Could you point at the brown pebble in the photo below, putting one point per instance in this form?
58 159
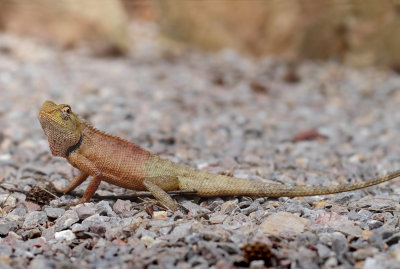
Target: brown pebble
311 134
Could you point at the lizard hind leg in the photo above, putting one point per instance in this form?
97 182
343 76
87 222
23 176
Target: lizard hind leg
158 187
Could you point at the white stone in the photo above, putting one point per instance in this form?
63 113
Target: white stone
65 235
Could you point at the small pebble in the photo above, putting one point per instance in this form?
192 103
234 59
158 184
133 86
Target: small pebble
54 212
85 211
64 235
35 218
160 214
281 221
66 220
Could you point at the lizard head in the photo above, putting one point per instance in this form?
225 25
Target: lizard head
61 126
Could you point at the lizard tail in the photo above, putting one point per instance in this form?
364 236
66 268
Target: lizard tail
219 185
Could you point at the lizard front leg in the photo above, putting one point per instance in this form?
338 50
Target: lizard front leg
82 176
87 168
158 187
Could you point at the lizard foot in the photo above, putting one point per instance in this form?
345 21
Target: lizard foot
78 202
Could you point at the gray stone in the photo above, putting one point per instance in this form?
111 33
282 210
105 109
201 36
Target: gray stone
326 238
361 215
230 248
294 206
85 212
54 213
77 227
362 254
41 262
5 250
364 214
97 228
353 215
332 262
19 212
8 200
28 181
345 197
394 239
180 231
378 262
374 224
29 206
217 218
49 233
32 233
323 251
193 208
251 208
100 224
339 243
70 217
122 207
117 221
4 228
94 219
35 218
229 206
103 209
379 202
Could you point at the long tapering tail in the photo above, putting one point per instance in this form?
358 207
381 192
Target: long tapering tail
219 185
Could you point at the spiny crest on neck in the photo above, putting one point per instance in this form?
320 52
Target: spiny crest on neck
100 132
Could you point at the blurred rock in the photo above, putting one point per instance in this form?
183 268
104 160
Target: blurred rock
69 23
282 221
64 235
301 29
54 212
35 218
66 220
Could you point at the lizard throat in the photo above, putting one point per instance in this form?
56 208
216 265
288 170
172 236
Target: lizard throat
74 147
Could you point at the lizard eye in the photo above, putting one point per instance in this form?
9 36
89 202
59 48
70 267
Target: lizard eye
65 112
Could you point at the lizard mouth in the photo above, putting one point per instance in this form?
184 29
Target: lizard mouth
53 130
46 119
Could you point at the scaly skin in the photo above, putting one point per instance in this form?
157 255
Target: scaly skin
122 163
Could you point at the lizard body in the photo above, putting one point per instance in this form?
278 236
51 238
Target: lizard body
125 164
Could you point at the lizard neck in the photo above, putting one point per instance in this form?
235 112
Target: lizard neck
59 138
74 147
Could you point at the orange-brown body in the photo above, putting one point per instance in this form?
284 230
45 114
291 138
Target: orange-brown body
122 163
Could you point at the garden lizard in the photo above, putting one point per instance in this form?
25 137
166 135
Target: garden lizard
125 164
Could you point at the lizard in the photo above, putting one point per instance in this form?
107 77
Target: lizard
117 161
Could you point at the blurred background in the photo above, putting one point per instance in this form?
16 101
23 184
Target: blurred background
357 32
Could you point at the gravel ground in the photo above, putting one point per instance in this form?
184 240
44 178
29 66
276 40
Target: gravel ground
260 119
